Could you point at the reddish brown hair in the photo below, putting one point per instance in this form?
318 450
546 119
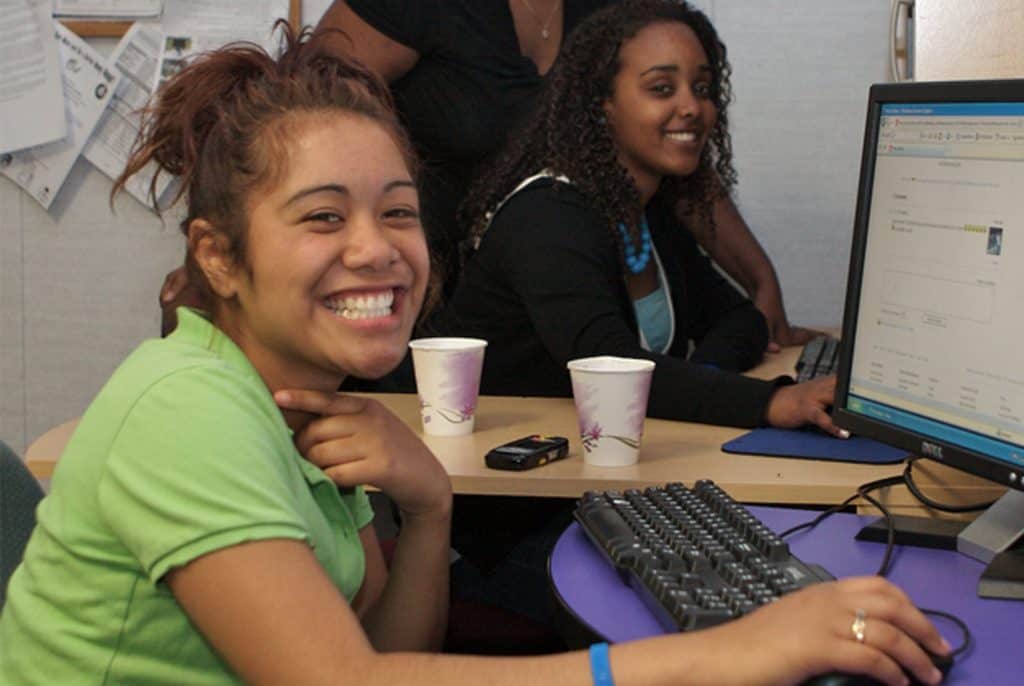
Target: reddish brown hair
223 123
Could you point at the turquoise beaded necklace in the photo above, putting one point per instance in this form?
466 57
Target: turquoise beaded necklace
636 262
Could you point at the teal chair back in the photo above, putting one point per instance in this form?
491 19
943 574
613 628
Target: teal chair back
19 495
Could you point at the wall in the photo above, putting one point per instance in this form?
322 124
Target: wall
78 285
968 39
802 69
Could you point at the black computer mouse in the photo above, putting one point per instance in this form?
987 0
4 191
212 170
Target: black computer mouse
943 662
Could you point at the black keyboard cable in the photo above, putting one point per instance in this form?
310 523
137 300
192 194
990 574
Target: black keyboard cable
864 492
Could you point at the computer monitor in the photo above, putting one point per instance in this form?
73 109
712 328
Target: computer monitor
933 332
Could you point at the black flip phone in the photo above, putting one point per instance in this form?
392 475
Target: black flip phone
527 453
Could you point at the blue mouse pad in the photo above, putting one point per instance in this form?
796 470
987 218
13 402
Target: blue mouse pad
813 444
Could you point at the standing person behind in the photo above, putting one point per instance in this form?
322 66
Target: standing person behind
581 252
186 540
465 75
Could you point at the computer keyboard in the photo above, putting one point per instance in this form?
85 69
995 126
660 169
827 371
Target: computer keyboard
696 557
819 357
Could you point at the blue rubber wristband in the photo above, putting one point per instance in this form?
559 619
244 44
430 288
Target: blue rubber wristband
600 667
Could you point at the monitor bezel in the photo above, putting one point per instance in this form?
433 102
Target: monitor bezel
909 93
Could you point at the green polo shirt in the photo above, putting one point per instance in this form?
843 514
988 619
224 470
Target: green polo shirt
183 452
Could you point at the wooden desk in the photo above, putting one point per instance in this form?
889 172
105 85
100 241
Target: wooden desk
671 451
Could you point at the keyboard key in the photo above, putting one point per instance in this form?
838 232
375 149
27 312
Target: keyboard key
819 357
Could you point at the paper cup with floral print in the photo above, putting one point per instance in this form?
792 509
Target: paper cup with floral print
448 382
611 403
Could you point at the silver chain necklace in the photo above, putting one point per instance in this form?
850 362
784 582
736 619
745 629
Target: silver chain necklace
545 33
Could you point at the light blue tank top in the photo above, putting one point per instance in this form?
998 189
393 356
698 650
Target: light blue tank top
654 320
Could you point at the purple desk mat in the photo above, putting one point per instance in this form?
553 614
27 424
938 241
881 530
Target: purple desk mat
936 579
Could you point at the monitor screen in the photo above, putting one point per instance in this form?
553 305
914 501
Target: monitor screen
933 334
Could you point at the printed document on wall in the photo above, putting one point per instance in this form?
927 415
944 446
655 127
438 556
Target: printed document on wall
194 26
136 58
31 102
107 8
89 83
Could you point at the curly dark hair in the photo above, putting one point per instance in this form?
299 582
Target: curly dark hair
569 134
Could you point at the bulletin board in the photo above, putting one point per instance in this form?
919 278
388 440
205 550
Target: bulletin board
116 29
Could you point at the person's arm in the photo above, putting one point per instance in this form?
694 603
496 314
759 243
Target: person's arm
178 291
358 441
384 55
805 403
735 248
728 331
416 585
274 616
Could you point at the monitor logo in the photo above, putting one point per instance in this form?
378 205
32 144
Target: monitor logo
931 450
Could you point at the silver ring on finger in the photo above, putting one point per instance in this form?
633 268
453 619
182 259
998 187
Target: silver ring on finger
860 624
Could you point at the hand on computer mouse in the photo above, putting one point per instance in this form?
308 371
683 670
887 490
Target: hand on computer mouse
864 626
805 403
942 662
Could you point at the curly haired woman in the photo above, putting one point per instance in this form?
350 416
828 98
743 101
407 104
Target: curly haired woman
581 251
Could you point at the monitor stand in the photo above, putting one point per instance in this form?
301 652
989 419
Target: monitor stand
996 529
989 538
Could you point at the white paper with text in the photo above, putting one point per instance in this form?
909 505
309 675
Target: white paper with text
107 8
89 83
194 26
136 58
31 101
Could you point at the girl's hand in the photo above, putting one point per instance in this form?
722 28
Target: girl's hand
811 632
805 403
359 441
780 332
175 292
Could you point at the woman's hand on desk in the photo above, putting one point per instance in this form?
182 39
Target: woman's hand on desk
780 332
359 441
784 335
805 403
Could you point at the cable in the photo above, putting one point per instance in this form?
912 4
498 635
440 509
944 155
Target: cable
863 488
890 535
908 478
863 491
817 520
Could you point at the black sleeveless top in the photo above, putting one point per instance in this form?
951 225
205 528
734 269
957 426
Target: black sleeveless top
467 93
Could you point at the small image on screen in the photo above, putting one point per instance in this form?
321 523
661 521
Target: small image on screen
995 241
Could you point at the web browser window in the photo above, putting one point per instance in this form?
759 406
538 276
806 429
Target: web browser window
940 321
